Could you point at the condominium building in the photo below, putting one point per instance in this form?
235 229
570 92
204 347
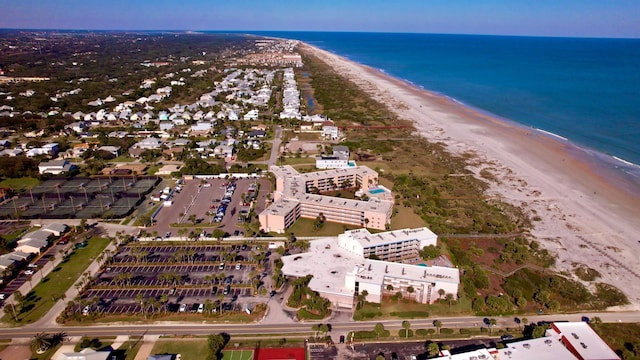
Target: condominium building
294 197
340 274
388 246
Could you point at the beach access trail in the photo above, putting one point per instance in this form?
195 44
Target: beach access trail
587 212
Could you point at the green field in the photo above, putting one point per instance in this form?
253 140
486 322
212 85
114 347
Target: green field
237 354
20 183
187 348
40 300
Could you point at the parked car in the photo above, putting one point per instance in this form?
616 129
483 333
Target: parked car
238 266
227 289
183 308
28 272
201 308
221 267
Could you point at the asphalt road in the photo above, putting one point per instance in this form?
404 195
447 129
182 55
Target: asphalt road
338 328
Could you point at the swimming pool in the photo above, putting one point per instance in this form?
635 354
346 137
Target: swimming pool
376 191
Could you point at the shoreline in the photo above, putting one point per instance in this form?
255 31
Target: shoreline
588 206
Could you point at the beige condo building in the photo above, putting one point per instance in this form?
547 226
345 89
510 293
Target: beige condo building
293 199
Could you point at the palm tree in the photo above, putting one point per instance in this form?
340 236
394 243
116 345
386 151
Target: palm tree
410 290
40 343
406 325
390 288
220 298
164 300
449 298
492 324
437 324
441 293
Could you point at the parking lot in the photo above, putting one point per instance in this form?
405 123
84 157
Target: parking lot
215 203
176 275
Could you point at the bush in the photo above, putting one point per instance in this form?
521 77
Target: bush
403 333
421 332
465 331
446 331
410 314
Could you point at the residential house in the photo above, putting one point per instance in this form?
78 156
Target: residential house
113 150
86 354
55 167
251 115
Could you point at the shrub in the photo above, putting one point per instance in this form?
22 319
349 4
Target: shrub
421 332
403 333
410 314
446 331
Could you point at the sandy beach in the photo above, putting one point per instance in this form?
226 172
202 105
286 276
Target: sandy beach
589 212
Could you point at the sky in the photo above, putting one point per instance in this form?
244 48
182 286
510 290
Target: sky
580 18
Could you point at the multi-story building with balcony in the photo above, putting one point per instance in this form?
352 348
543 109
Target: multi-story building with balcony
296 196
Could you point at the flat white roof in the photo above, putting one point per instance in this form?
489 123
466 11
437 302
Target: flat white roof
374 271
366 239
329 264
282 207
549 347
584 340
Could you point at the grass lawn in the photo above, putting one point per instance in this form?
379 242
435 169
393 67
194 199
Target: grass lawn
410 310
153 169
405 218
20 183
298 161
131 349
304 227
123 159
189 349
40 300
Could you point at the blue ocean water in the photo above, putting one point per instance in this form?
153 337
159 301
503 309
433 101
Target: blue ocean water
586 90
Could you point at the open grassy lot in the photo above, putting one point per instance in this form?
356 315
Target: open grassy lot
20 183
188 348
305 227
40 300
406 309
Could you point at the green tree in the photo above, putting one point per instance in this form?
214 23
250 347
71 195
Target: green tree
430 252
433 349
437 324
492 323
40 343
406 325
378 329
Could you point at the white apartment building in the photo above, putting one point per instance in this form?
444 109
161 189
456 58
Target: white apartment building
388 246
340 274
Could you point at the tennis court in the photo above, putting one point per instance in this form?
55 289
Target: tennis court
237 354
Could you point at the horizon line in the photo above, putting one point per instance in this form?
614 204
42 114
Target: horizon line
249 32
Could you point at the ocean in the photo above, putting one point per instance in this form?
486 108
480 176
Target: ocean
586 90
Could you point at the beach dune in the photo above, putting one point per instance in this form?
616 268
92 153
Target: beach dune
587 212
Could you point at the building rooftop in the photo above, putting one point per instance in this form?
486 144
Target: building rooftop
327 262
583 339
282 207
376 270
367 239
549 347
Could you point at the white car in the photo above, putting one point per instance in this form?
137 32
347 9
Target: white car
183 308
28 272
2 296
201 308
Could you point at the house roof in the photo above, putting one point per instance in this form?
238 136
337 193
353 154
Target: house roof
86 354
